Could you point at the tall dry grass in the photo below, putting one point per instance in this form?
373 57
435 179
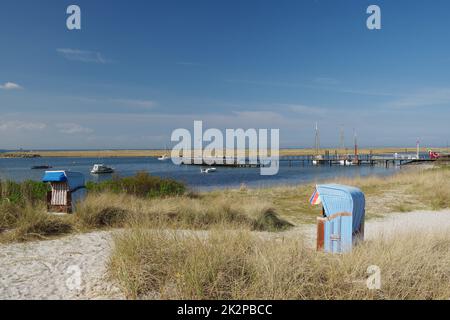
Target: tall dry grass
237 265
410 189
268 209
429 187
177 212
31 223
109 210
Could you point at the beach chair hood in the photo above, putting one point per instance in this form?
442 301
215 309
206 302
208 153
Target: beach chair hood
337 199
75 180
344 210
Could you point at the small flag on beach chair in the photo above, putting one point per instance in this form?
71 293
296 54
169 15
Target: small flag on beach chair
315 199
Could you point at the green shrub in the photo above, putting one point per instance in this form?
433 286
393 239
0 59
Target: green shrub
98 217
268 220
141 185
33 191
24 192
11 192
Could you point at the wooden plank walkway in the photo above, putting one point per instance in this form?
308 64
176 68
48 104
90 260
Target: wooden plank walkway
363 160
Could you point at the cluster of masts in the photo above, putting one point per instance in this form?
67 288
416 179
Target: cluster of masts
341 144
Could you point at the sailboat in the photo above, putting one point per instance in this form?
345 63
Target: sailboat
346 162
317 158
165 156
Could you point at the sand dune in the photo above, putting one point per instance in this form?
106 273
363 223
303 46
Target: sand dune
74 267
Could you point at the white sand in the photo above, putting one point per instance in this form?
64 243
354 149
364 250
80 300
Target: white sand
69 268
390 225
50 269
400 223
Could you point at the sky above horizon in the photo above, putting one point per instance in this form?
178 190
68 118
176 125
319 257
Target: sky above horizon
137 70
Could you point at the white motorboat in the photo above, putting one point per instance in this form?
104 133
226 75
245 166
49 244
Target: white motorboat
164 157
101 168
346 162
316 160
208 170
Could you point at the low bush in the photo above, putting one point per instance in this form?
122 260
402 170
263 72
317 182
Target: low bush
98 217
141 185
119 210
36 223
29 191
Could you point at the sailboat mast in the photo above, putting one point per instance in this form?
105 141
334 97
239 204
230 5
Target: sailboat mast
317 140
356 145
342 143
417 148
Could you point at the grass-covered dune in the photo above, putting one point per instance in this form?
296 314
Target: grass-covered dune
142 200
151 263
152 201
149 201
156 264
177 244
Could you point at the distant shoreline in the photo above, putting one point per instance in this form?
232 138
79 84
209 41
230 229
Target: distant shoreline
158 153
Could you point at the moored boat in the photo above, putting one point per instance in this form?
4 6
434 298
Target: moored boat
163 158
101 168
41 167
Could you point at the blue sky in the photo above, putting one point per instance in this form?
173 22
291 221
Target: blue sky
139 69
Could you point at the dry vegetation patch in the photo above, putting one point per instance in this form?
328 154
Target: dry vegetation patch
239 265
266 209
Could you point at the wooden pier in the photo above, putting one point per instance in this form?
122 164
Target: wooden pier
291 161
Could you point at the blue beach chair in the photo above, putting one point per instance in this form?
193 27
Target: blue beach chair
342 224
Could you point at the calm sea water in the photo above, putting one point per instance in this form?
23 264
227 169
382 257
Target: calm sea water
20 169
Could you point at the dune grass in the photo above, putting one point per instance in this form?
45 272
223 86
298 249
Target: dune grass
164 251
177 212
151 264
110 210
31 223
408 190
142 184
265 209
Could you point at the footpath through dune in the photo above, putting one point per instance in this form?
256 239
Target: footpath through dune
72 267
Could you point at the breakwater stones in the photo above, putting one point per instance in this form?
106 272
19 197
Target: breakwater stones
19 155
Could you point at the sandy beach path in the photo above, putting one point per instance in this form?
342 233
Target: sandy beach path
72 267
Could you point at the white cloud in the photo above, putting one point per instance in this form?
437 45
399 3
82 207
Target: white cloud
137 103
10 86
306 110
317 84
147 104
21 126
73 128
83 56
427 97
